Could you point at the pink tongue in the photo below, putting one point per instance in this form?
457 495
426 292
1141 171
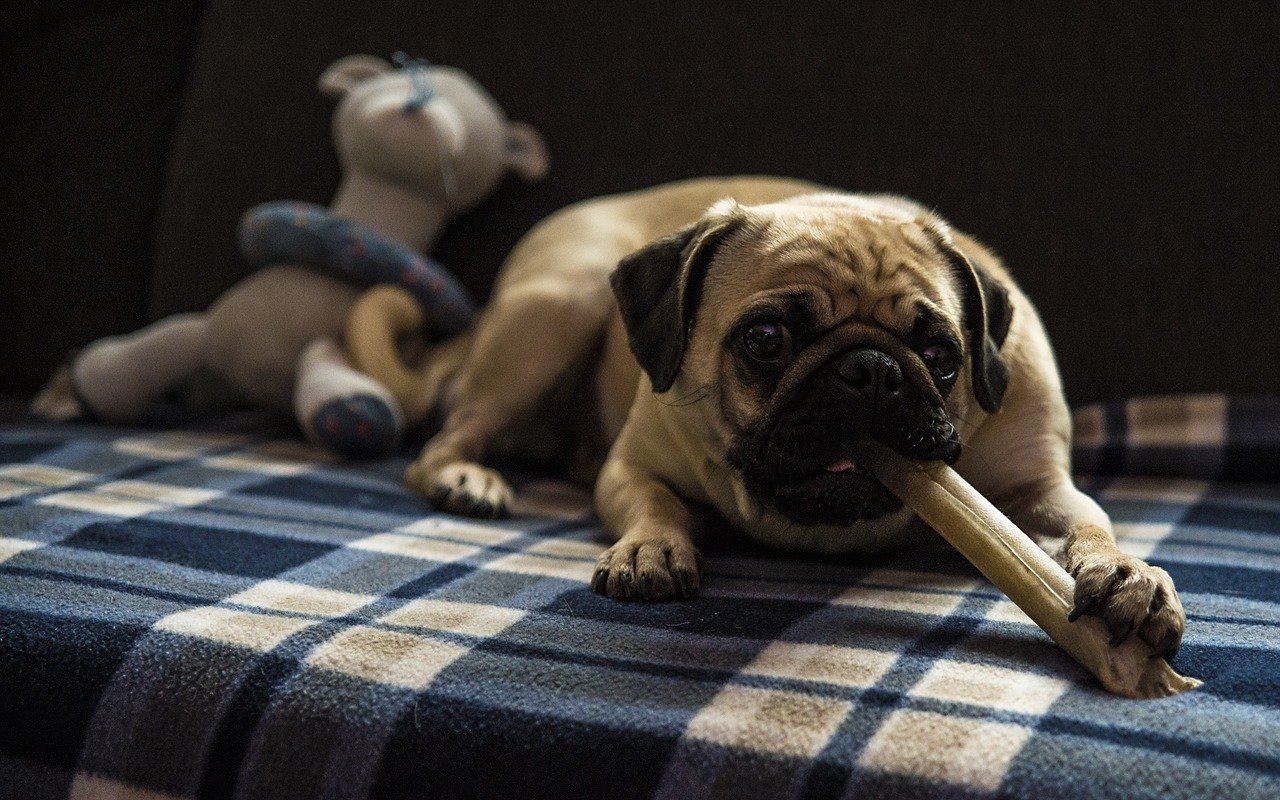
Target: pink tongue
842 466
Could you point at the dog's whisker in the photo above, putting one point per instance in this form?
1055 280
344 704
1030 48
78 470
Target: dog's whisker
697 395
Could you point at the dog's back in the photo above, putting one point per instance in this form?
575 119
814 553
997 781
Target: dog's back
560 271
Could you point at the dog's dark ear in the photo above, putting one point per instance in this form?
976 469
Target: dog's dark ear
987 317
659 288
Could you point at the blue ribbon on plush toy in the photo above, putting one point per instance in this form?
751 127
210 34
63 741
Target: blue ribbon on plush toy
290 232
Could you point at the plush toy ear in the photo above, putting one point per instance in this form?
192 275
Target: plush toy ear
987 317
342 75
659 289
526 152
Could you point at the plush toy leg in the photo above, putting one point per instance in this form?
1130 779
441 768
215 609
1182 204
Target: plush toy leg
341 409
120 378
57 401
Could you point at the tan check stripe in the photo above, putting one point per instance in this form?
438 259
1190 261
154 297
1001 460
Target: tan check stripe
943 749
177 445
130 498
280 458
1177 421
11 546
409 656
769 720
92 787
20 479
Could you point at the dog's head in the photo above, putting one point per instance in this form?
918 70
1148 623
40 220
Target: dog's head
801 328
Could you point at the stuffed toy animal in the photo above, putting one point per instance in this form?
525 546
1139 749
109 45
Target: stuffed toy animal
417 144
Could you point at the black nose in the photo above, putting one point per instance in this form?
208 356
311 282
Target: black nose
871 373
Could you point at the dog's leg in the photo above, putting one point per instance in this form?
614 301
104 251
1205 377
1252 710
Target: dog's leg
654 557
1131 596
526 342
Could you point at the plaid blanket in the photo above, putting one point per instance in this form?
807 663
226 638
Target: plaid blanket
223 613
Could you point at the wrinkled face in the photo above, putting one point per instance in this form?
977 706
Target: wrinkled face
815 328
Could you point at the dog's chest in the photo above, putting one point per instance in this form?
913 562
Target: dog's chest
898 529
617 378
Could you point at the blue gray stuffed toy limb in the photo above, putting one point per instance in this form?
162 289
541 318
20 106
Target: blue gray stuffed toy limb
290 232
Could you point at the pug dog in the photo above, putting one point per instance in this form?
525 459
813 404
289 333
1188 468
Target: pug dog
729 342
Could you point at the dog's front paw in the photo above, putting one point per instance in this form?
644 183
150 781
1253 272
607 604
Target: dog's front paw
1130 596
641 568
463 488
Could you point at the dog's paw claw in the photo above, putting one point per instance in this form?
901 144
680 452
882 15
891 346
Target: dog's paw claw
657 569
1131 597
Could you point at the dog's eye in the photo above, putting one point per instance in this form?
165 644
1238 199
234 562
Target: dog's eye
941 359
766 341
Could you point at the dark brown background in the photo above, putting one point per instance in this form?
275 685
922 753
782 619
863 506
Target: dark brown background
1123 160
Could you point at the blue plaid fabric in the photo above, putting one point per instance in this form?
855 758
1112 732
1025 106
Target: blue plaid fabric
1193 436
225 613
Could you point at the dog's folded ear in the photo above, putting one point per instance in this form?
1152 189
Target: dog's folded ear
659 288
987 317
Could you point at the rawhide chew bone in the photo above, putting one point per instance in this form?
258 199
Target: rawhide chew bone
1019 568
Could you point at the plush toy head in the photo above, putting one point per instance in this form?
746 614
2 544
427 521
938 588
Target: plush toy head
427 128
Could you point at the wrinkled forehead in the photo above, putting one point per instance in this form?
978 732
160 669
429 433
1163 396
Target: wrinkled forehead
849 265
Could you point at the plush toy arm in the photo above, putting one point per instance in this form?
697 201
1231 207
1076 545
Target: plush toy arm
1024 572
288 232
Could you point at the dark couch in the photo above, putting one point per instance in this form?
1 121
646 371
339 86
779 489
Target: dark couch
1123 160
